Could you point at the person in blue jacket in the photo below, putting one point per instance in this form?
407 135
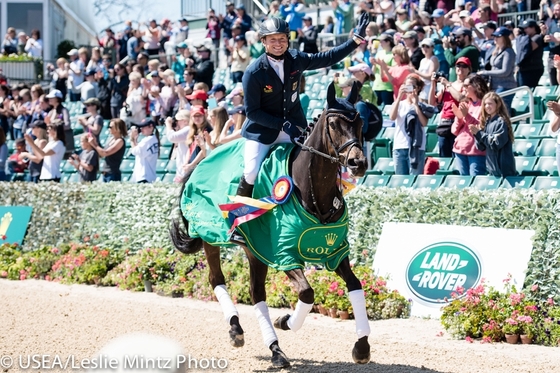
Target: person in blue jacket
273 108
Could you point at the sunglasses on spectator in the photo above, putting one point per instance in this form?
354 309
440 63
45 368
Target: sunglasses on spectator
462 66
425 47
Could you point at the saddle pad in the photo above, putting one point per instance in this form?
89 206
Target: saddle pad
283 238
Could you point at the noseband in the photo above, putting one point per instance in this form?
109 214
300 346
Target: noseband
345 115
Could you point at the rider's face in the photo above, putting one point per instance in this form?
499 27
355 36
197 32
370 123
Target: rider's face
276 44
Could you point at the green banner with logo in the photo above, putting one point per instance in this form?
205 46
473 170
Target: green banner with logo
13 223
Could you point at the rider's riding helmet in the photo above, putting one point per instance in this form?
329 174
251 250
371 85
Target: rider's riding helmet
272 26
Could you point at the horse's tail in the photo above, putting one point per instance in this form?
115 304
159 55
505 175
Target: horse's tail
179 230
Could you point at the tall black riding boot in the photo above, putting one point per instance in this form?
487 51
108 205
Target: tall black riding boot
245 189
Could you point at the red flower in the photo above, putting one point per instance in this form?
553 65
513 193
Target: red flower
4 237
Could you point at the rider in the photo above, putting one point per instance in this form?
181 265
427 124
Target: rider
274 112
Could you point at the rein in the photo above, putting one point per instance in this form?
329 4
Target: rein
337 202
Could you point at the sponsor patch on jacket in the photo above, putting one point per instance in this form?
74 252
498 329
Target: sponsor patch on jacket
294 86
267 88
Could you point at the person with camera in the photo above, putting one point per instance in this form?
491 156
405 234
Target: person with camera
502 65
87 162
35 163
53 152
114 150
410 116
459 46
177 131
61 114
92 121
145 152
428 66
530 48
451 94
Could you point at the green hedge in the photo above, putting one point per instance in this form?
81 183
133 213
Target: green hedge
137 216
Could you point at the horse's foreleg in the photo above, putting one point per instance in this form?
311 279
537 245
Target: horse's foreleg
306 296
258 272
361 351
217 280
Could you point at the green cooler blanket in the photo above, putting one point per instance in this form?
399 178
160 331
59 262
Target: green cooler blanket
283 238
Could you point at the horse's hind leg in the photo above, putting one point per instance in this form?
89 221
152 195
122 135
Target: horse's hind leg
361 351
306 297
217 280
258 272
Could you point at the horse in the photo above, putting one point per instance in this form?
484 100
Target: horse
334 141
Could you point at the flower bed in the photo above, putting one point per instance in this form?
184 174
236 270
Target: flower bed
490 315
176 274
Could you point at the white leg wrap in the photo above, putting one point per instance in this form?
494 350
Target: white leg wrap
228 308
296 320
359 306
267 330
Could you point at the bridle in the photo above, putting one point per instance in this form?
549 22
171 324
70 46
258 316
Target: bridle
343 114
337 206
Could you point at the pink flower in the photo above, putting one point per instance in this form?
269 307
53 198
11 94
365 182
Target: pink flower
86 239
486 340
550 301
22 277
340 292
535 287
54 250
469 339
333 287
439 334
3 274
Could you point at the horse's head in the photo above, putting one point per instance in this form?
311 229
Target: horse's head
344 130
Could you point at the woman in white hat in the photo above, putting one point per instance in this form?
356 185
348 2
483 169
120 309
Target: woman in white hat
428 66
60 113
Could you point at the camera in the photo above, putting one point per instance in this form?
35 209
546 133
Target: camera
452 39
439 74
174 123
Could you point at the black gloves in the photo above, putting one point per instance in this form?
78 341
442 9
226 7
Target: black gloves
292 130
360 30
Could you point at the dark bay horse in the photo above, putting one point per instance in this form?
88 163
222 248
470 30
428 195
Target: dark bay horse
335 141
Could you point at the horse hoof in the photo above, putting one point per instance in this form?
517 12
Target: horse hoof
361 351
236 334
238 340
279 358
282 322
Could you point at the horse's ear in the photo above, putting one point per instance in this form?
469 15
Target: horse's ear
331 96
353 95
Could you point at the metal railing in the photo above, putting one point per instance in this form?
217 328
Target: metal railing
531 114
517 17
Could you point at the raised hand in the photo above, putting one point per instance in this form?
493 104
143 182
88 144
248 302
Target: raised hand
363 23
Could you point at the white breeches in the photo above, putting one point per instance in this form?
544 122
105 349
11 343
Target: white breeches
255 152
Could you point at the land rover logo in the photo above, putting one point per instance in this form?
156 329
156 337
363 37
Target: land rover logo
437 270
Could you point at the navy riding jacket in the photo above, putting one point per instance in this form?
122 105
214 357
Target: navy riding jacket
269 103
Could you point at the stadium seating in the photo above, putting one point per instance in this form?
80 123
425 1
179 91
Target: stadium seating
428 181
457 181
524 182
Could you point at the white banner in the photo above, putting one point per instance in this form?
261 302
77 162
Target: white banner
427 262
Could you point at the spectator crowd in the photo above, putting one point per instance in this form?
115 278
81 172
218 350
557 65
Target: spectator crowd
151 83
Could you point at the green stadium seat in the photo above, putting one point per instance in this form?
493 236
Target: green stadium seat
526 147
525 165
168 178
444 163
127 166
546 131
67 167
529 131
385 166
164 153
376 180
74 178
387 110
431 142
547 117
160 175
171 166
428 181
164 142
547 182
486 182
161 165
547 147
457 181
546 93
546 166
401 181
523 182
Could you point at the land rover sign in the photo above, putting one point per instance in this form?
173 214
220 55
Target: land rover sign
437 270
